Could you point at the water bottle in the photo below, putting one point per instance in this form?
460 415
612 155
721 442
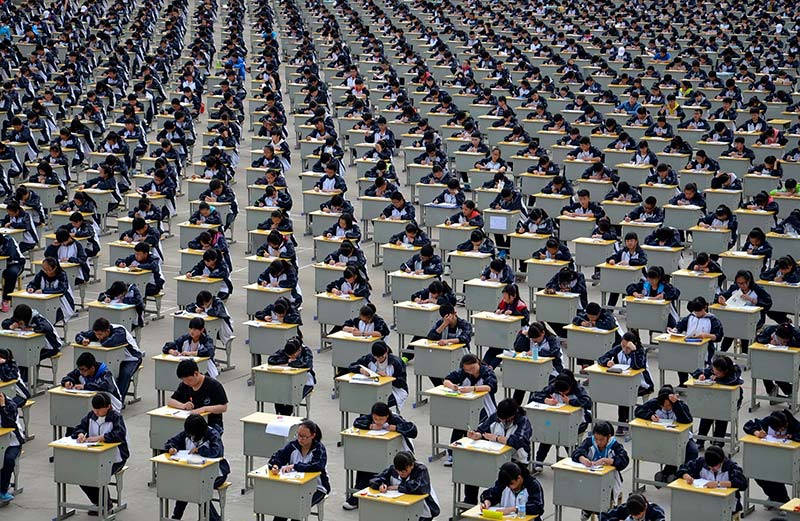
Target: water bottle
522 500
535 353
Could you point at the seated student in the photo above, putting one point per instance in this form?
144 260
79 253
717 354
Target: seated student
785 270
212 265
80 228
631 255
104 181
583 207
451 196
782 334
624 193
10 419
67 249
143 260
380 417
538 338
498 271
656 286
690 196
537 222
781 425
219 192
113 335
146 210
122 293
437 176
208 304
212 240
667 405
569 281
722 371
347 254
553 249
412 235
304 454
9 371
722 219
91 375
278 221
563 389
278 246
140 231
719 470
478 242
703 263
700 324
281 274
757 244
631 352
201 438
17 218
194 343
636 507
381 188
408 476
510 304
345 227
274 198
665 236
514 492
425 262
790 225
746 290
437 292
468 216
24 318
663 175
337 204
399 209
352 282
52 279
647 212
14 265
382 361
602 448
199 393
331 181
368 323
205 214
472 376
297 355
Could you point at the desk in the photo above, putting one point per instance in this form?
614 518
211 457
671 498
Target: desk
452 410
403 284
26 346
524 373
111 356
67 408
785 297
187 288
634 174
358 396
614 388
774 363
120 250
689 502
116 313
181 319
165 367
385 229
587 343
326 245
778 462
266 338
475 513
540 271
591 252
493 330
47 304
466 265
371 506
259 297
701 178
662 193
551 203
181 481
188 231
336 309
570 228
791 510
324 274
255 215
434 361
749 219
275 495
716 402
83 465
614 278
710 240
475 464
717 197
482 295
596 487
433 214
558 308
555 424
616 211
347 348
531 183
783 244
649 314
667 257
656 443
681 217
524 244
128 276
786 204
278 384
258 443
367 452
501 222
395 255
676 354
165 422
738 322
694 284
414 319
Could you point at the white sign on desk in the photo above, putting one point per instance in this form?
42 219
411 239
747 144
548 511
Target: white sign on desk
497 222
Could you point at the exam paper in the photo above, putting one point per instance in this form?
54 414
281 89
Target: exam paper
391 494
379 432
700 483
292 475
772 439
68 440
281 426
492 446
579 465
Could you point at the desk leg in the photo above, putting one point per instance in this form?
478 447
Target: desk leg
260 406
754 394
559 512
162 398
420 399
103 506
248 467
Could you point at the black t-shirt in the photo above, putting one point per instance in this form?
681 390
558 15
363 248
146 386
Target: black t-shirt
210 393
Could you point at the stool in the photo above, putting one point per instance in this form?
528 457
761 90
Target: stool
117 484
222 494
320 513
26 419
53 367
15 481
226 362
155 312
93 262
306 402
133 390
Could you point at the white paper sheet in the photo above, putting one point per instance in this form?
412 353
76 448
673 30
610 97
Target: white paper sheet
281 426
579 465
498 222
700 483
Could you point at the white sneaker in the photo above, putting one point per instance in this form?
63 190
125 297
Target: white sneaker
349 506
449 461
586 515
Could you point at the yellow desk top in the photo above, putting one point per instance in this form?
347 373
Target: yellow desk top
576 218
781 236
594 330
177 359
323 266
680 484
129 270
622 267
170 412
787 444
122 244
495 317
6 430
441 390
712 230
270 324
38 296
647 301
715 387
565 465
362 433
599 369
547 262
778 349
475 513
745 211
599 242
681 339
468 444
737 309
529 235
792 506
674 249
732 254
485 283
381 380
20 334
344 335
110 305
697 274
188 316
558 294
647 424
204 226
256 287
552 196
779 284
434 344
71 392
202 279
264 473
331 296
475 254
164 459
93 447
369 494
97 346
280 369
417 306
265 418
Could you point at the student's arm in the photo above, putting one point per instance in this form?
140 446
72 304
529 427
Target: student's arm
81 428
418 482
492 496
118 432
620 457
383 478
535 504
319 460
608 356
85 335
177 442
116 338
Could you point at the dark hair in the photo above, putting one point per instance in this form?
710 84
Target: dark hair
508 409
469 359
403 460
186 368
196 426
101 324
292 345
603 428
23 313
85 360
316 432
714 456
697 304
380 409
510 471
636 504
723 363
100 400
593 308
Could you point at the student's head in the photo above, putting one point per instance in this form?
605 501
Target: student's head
204 299
690 190
195 426
593 311
631 240
471 364
22 314
564 383
403 463
141 251
380 413
630 342
698 306
636 505
508 410
510 293
744 280
603 432
584 197
307 433
663 398
714 457
210 258
655 275
476 237
101 404
101 328
197 327
188 373
512 475
436 289
86 364
497 266
722 366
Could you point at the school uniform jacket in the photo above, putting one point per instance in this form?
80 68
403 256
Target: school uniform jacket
730 471
680 411
75 254
209 447
406 429
792 429
563 253
503 496
433 266
305 360
112 429
150 264
219 272
406 213
577 398
637 258
396 368
486 376
506 276
487 246
417 482
653 512
359 290
420 239
518 434
315 461
102 380
9 419
765 336
131 296
58 284
637 360
577 285
614 450
119 337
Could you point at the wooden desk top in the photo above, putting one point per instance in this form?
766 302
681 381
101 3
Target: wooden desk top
416 276
565 465
280 369
381 380
331 296
271 324
593 330
20 334
417 306
170 412
792 506
485 283
697 274
110 305
177 359
265 418
434 344
590 240
787 444
362 433
519 357
647 301
681 339
164 459
96 346
474 254
71 392
405 500
469 444
647 424
558 294
495 317
738 309
475 513
599 369
715 387
90 448
680 484
38 296
621 267
202 279
344 335
775 349
547 262
128 270
400 247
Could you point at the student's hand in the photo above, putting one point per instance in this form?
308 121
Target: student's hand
712 484
637 294
550 401
328 235
549 291
654 418
760 434
701 378
486 505
605 461
474 435
68 385
611 262
491 437
624 263
188 406
586 461
336 291
172 451
174 352
85 342
81 438
274 470
79 387
610 363
586 323
383 488
193 450
30 290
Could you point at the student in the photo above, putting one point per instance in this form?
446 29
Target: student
282 311
304 454
10 371
368 323
142 259
631 255
212 265
194 343
380 417
24 318
408 476
553 249
67 249
345 227
703 263
781 425
278 246
382 361
281 274
425 262
656 286
699 324
498 271
199 393
468 216
451 329
399 209
511 305
635 508
782 334
665 236
104 424
477 242
297 355
569 281
14 265
91 375
602 448
508 425
122 293
208 304
631 352
411 236
142 232
689 197
16 217
10 419
201 438
647 212
451 196
52 279
438 292
352 282
583 207
750 294
538 337
668 406
722 219
514 492
719 470
113 335
537 222
724 372
563 389
472 376
790 225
